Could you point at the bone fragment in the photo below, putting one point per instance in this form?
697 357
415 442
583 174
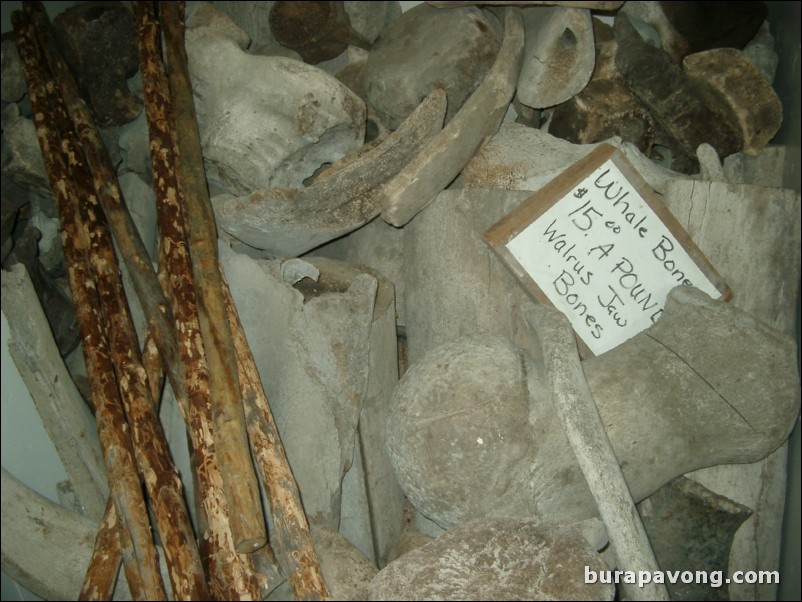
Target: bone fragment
318 31
264 121
288 222
559 55
496 559
478 119
409 60
709 164
585 431
732 76
65 415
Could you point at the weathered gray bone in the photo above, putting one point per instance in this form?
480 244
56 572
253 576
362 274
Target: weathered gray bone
650 20
762 271
290 221
264 121
406 63
64 413
368 20
320 341
377 245
707 384
13 86
583 427
762 53
46 547
22 159
252 16
558 57
478 119
453 285
524 158
496 559
767 169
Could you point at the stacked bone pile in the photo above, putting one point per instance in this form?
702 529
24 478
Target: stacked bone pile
354 156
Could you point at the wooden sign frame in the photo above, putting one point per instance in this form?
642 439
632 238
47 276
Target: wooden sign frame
606 221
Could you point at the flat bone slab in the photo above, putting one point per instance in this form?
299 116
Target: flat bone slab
755 104
495 559
752 235
479 118
559 55
317 339
287 222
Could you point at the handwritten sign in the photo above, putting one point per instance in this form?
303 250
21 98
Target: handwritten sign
599 245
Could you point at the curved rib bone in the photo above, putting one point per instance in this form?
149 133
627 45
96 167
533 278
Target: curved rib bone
476 121
289 221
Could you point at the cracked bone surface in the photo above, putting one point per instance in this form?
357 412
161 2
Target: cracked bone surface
495 559
559 55
400 70
416 186
473 432
328 340
264 121
291 221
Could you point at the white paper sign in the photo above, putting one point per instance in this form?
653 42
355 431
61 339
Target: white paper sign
605 259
